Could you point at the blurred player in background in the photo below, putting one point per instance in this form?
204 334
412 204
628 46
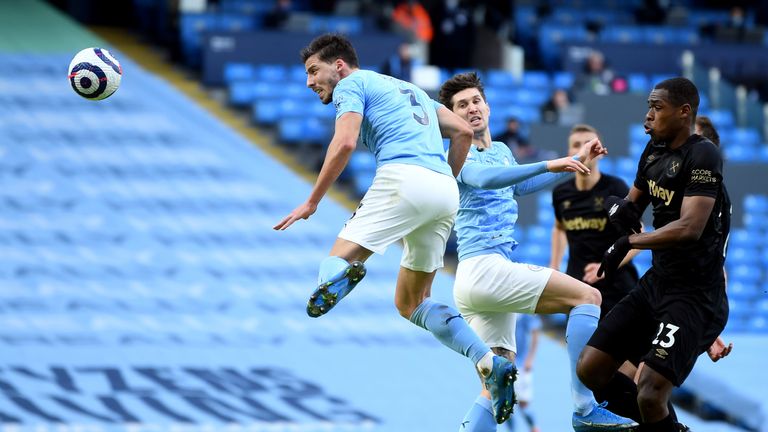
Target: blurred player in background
679 307
413 197
581 224
490 287
527 329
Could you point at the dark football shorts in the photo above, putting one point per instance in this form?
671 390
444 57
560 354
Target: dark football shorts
666 331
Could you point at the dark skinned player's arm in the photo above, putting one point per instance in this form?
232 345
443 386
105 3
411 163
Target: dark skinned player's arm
694 215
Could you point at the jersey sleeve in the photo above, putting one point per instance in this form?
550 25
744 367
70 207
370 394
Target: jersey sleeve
349 96
705 171
437 105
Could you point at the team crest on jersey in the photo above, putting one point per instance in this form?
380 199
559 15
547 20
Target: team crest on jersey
673 168
599 203
337 102
566 204
505 161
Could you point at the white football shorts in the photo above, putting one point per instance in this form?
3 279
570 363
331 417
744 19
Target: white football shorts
411 203
490 289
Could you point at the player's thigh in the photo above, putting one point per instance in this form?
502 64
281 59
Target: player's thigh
626 332
562 293
350 251
493 283
435 201
387 212
496 329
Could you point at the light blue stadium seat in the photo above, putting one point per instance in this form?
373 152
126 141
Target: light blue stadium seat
567 16
297 74
538 234
499 78
741 291
744 273
657 78
525 114
746 137
536 80
234 22
626 167
347 25
529 96
362 161
722 119
756 204
670 35
363 181
243 93
740 154
266 111
638 83
622 34
239 72
563 80
272 73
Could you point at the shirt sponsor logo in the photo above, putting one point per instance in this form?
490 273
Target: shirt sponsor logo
582 223
660 192
702 176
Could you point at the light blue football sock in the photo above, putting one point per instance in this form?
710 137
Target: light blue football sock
582 322
449 328
330 267
479 418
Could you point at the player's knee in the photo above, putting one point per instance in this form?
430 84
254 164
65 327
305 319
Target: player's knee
590 372
589 295
405 307
651 396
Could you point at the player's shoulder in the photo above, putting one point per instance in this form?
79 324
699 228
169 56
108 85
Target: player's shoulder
564 187
702 148
613 180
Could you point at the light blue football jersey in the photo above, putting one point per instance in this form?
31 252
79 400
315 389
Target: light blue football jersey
486 219
399 119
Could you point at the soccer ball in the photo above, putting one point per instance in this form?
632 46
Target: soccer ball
95 73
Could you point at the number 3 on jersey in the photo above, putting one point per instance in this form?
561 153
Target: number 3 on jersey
421 119
667 340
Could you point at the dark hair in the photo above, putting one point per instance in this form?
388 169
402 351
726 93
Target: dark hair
458 83
708 130
681 91
329 47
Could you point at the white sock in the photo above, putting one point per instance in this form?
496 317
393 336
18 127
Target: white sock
485 364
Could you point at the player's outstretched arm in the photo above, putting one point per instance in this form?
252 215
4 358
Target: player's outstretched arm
336 158
694 214
458 131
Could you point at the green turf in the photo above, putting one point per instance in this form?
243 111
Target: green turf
35 26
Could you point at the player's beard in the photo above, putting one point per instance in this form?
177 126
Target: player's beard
331 83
